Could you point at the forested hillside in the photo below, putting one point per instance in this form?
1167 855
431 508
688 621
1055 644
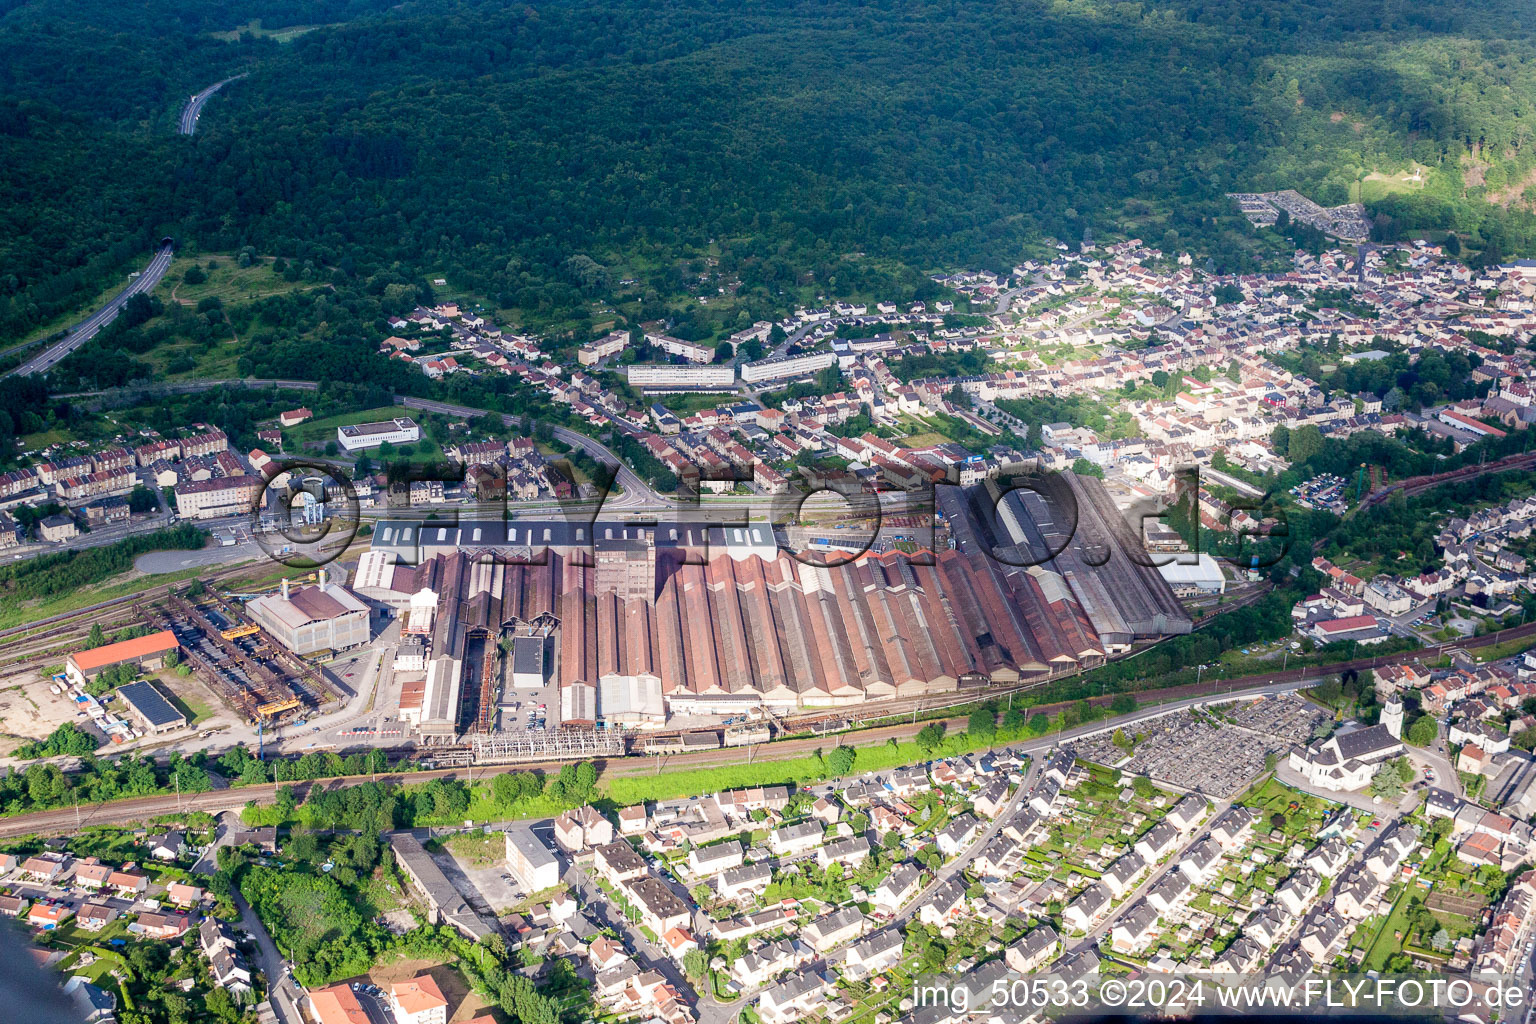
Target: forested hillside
542 153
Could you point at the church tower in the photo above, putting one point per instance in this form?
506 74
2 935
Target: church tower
1392 717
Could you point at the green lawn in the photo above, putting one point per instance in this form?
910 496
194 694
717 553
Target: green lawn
478 848
671 784
1386 943
324 429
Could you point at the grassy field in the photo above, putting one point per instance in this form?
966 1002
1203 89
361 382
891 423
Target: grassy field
227 281
131 582
1387 942
1378 185
672 784
1504 650
323 430
477 848
254 30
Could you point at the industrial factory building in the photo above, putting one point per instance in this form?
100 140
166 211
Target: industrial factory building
652 620
311 619
143 652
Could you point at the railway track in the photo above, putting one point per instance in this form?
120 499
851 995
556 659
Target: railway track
125 601
1418 484
65 820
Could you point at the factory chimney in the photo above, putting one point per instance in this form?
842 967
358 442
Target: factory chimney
285 588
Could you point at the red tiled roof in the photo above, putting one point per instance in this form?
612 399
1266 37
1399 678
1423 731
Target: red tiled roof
111 654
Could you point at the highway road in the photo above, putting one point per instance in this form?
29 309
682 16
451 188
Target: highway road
147 279
194 108
76 336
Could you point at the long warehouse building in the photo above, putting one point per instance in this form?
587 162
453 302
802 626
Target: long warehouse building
719 618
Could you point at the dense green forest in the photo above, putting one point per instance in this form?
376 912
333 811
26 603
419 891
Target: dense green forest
542 155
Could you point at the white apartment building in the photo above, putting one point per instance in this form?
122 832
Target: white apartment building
665 375
610 344
223 496
693 351
781 367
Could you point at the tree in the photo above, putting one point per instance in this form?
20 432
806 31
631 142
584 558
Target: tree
1039 723
930 737
1280 439
1122 704
982 725
1452 245
97 636
1013 721
1423 731
840 761
723 352
505 789
1306 441
1386 783
221 1005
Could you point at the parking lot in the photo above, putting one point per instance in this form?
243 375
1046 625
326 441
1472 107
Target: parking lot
490 888
521 708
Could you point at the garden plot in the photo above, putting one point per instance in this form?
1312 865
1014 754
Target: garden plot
1103 819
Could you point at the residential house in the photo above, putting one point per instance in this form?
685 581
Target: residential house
1134 929
903 883
795 839
1186 814
850 853
1296 892
877 953
744 880
1123 874
618 862
48 916
337 1005
660 908
1158 841
418 1001
93 917
711 860
835 929
1319 938
1084 911
944 904
161 926
794 998
166 847
1034 950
